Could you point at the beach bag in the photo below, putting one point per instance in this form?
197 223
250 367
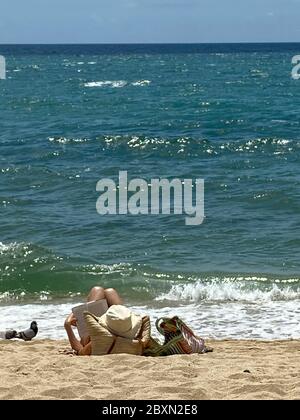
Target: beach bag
178 339
196 343
104 342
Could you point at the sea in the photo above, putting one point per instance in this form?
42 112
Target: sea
71 115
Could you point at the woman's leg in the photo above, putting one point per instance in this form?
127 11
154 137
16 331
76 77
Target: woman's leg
112 297
96 293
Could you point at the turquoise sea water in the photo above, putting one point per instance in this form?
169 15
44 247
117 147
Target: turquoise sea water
71 115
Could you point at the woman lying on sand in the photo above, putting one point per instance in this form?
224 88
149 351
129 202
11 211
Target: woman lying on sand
119 330
83 347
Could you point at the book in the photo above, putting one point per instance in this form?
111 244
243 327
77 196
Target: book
97 307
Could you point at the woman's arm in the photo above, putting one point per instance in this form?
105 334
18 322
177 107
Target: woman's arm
75 344
86 350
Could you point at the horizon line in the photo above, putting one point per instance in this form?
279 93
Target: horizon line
153 43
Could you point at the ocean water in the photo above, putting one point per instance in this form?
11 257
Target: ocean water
71 115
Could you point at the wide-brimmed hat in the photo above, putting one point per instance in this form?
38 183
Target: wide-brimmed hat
120 321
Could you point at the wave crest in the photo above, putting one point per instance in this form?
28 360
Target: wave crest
30 270
105 83
226 291
116 83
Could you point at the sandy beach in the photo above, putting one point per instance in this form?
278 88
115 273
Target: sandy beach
235 370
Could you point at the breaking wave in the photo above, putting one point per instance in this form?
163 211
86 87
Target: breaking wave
250 290
31 270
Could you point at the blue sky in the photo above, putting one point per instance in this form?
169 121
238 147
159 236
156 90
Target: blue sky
138 21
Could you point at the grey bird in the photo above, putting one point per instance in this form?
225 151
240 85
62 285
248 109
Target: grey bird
29 334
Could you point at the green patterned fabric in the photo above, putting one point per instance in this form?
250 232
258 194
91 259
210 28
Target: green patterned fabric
174 343
178 339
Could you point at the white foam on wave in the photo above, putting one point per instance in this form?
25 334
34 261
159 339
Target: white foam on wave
270 321
116 83
236 320
226 291
3 247
105 83
141 83
9 247
65 140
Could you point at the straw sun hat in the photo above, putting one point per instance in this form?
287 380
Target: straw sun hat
120 321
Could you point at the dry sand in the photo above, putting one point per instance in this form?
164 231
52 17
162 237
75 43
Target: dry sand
236 370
